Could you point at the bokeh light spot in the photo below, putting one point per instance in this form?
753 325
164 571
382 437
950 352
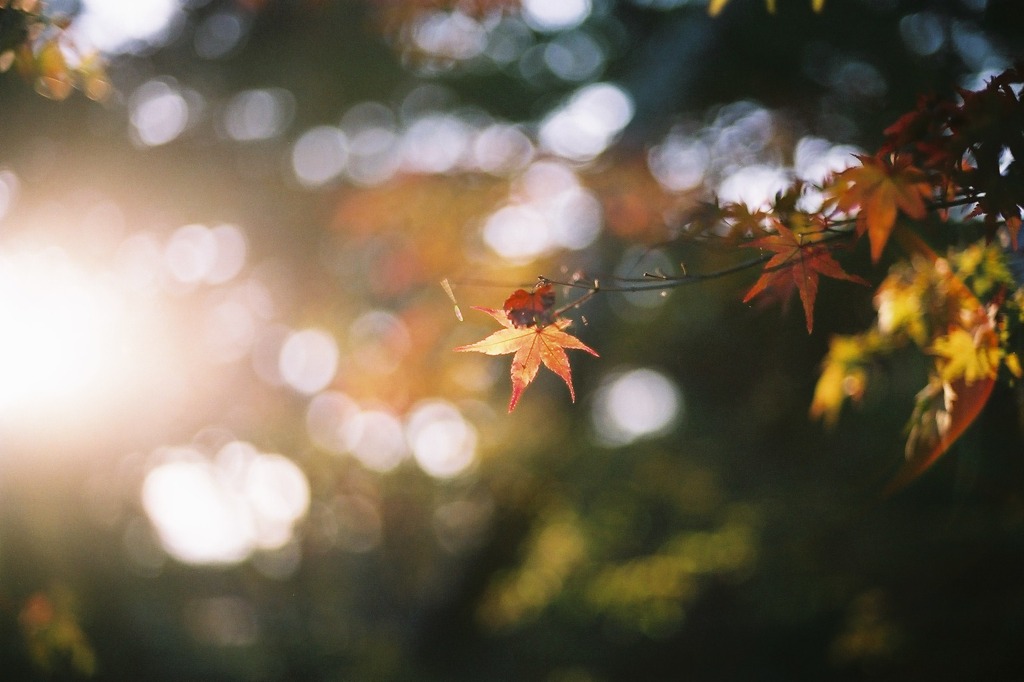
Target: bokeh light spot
502 149
574 56
190 253
585 125
197 517
815 159
508 40
442 441
435 144
376 439
517 233
923 32
636 404
258 114
229 329
221 511
278 493
375 146
115 26
229 255
309 360
219 35
679 163
159 113
754 186
555 15
451 35
327 415
320 155
140 262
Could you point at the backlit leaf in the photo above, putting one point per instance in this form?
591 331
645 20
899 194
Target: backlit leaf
944 411
878 190
962 358
531 308
532 346
798 262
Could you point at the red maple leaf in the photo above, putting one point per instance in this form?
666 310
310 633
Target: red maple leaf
798 261
529 308
532 345
880 189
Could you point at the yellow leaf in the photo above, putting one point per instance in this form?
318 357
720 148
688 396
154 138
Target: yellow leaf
1013 364
899 303
841 377
960 357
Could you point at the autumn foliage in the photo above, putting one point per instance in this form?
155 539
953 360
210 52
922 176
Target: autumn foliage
947 174
797 264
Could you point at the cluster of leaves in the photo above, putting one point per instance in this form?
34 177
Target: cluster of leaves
942 167
946 170
935 305
38 44
964 310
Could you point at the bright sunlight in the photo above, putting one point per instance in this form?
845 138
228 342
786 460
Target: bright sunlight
62 326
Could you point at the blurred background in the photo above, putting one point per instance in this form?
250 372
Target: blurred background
235 443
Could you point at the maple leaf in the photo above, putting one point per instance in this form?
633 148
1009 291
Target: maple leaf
880 189
798 262
843 375
943 412
742 221
531 308
532 346
960 356
924 133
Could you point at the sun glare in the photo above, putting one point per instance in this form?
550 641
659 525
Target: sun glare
221 510
118 27
60 337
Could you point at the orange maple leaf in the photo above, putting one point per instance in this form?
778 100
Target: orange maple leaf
798 261
879 188
532 346
943 413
